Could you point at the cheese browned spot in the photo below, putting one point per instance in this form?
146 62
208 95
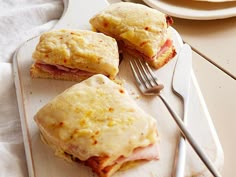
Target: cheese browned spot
75 55
91 121
139 30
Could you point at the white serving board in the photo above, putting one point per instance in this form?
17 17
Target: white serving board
32 94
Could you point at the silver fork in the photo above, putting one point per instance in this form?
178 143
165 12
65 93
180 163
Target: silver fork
149 85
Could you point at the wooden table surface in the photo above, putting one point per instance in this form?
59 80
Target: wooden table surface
214 40
214 63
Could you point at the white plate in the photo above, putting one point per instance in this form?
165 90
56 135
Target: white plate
32 94
197 10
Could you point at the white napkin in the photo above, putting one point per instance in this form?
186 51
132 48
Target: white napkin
12 161
20 20
23 19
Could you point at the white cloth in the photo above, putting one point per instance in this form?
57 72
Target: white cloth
20 20
23 19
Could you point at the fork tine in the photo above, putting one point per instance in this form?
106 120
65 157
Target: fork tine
148 79
136 73
154 78
155 86
144 77
142 74
150 76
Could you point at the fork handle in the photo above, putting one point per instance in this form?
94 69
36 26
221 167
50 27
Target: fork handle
191 140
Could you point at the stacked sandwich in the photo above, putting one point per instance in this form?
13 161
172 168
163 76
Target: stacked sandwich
97 123
139 30
75 55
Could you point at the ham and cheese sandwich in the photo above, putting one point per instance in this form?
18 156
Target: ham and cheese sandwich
97 123
75 55
141 31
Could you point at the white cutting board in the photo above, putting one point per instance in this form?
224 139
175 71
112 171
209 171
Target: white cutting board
32 94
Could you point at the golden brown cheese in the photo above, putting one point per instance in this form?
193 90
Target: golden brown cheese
137 28
78 49
143 27
94 118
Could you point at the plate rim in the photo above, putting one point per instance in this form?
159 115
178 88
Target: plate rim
211 15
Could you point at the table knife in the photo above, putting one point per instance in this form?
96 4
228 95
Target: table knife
178 84
181 85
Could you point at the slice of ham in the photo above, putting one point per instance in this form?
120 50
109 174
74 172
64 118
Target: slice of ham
150 152
59 69
98 163
168 44
165 47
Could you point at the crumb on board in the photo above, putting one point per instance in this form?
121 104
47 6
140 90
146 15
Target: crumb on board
134 94
131 92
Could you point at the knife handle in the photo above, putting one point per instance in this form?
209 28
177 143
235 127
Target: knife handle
180 158
180 155
191 140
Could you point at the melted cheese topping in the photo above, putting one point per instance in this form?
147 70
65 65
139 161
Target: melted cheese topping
138 26
80 49
96 118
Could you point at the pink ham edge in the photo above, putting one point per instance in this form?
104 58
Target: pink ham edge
150 152
163 49
59 69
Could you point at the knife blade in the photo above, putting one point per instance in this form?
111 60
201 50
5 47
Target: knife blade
181 84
